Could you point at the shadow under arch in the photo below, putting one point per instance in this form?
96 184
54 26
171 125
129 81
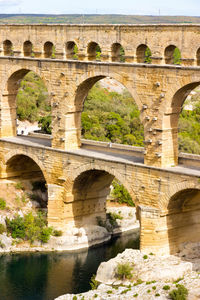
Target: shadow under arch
21 168
183 218
90 191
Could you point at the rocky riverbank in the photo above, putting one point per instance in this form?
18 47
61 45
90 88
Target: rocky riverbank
120 219
152 277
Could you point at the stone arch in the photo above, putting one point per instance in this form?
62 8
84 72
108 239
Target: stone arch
48 50
169 54
88 80
174 190
71 48
90 190
77 172
183 218
117 52
141 53
92 49
8 99
73 117
12 154
22 169
198 57
7 48
28 49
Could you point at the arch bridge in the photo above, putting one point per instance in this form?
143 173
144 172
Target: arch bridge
164 185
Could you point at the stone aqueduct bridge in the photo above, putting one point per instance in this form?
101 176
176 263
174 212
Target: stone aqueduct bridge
78 175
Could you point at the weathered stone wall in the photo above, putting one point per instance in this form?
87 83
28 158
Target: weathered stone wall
77 195
156 37
69 82
159 90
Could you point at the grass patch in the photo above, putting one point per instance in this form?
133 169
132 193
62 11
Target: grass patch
19 186
124 271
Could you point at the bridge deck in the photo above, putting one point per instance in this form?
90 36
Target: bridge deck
102 155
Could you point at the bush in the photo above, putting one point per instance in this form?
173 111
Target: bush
45 234
93 282
16 227
124 271
2 204
179 294
113 217
57 232
29 227
45 123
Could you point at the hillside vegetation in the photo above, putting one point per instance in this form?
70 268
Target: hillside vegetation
33 102
93 19
109 116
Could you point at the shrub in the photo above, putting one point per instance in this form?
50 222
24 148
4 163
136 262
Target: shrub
124 271
145 256
16 227
29 227
93 282
45 234
113 217
2 204
57 232
45 123
179 294
2 228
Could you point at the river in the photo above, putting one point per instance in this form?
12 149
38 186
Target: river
45 276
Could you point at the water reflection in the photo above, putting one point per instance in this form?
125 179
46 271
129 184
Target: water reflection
45 276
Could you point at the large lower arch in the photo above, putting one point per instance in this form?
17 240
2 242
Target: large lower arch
89 193
183 218
23 171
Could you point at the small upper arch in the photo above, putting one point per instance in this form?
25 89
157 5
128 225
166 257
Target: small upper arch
71 50
93 51
28 49
7 48
49 50
143 54
117 52
198 57
172 55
